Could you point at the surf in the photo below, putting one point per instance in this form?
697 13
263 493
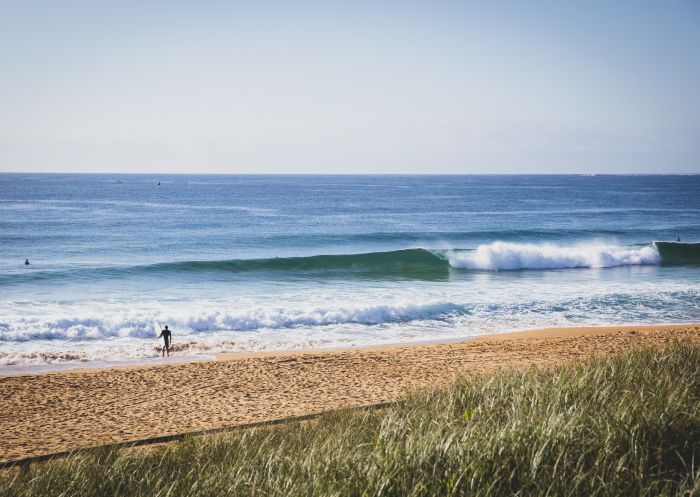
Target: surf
410 263
296 322
141 325
508 256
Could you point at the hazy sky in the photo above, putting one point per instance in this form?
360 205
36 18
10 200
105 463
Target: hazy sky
350 87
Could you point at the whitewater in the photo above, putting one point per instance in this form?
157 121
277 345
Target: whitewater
511 256
284 263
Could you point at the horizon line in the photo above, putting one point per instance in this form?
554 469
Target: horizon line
346 174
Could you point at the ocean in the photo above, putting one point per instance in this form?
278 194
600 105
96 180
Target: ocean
251 263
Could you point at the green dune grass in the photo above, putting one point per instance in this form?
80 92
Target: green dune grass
629 425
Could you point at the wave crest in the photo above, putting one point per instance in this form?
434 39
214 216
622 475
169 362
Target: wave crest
410 263
512 256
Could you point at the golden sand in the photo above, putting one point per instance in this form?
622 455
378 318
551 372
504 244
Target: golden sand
51 412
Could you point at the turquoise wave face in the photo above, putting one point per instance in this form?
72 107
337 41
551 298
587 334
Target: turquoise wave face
408 264
397 262
678 253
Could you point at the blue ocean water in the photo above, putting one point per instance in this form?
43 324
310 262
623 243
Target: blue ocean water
284 262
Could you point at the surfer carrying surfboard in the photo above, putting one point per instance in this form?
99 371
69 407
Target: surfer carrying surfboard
166 336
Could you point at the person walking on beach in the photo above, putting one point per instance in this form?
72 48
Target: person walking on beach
167 338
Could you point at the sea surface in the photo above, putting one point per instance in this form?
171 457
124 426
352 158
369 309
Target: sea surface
250 263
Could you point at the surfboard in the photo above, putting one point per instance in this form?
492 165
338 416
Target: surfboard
158 329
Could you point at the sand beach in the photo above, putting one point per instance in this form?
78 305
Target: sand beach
58 411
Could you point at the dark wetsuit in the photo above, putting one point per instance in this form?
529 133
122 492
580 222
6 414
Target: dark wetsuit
166 339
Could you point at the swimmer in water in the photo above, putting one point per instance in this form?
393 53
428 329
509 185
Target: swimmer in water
26 262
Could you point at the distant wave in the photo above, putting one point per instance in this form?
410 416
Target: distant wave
539 235
414 263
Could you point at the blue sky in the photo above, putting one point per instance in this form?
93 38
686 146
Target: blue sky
350 87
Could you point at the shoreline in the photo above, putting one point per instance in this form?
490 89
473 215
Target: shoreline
53 412
553 332
64 367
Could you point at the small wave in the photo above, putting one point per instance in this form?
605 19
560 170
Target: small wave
13 358
116 327
512 256
123 335
141 326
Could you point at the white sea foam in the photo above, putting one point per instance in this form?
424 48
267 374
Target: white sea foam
140 324
118 332
511 256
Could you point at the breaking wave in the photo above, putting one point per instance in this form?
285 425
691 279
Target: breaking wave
674 306
511 256
140 325
413 263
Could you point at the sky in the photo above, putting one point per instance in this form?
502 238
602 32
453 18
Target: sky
350 87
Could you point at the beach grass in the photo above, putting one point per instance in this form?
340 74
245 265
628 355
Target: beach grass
626 425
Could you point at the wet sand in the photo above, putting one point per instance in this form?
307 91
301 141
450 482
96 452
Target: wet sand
51 412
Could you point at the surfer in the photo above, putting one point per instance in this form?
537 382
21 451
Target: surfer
167 338
26 262
678 238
